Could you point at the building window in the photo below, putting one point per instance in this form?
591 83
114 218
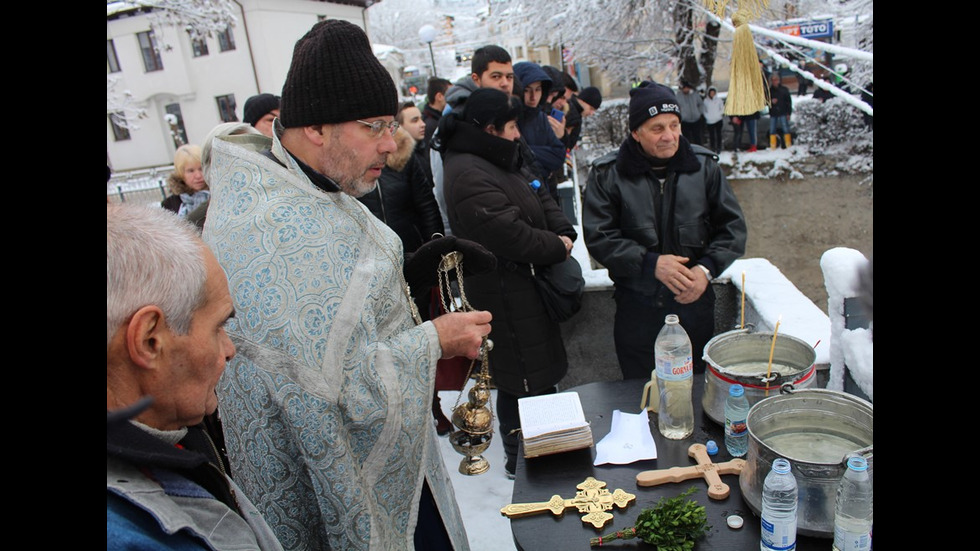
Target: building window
119 131
110 55
199 46
175 121
225 40
226 108
151 54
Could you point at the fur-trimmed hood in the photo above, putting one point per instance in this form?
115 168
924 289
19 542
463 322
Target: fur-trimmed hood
406 145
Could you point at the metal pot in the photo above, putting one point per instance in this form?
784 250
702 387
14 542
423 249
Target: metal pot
815 430
742 357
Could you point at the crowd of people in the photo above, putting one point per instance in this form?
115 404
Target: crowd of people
271 373
704 117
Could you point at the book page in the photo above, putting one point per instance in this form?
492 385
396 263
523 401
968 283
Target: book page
550 413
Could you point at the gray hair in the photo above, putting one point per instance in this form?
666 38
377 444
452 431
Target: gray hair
152 257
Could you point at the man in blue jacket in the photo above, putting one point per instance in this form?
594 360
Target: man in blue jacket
661 217
536 127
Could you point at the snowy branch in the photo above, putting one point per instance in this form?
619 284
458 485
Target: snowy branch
121 106
200 18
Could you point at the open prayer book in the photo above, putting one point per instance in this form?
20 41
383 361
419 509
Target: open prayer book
553 423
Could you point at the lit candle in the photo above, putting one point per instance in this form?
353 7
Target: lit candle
772 349
742 326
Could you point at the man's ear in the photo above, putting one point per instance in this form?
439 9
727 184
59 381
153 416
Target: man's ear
633 133
476 78
147 335
314 133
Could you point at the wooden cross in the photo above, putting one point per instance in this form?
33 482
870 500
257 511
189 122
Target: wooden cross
705 468
592 498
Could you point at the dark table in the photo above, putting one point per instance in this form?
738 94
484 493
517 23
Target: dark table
539 478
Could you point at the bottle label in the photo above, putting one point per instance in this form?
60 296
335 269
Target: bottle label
779 537
675 371
851 541
736 427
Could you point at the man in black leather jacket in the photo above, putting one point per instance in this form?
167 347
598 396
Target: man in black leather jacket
661 217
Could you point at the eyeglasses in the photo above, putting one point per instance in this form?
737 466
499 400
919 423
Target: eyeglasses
377 127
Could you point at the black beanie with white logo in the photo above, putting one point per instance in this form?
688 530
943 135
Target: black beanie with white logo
650 99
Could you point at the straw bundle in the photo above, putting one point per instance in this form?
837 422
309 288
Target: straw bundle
747 90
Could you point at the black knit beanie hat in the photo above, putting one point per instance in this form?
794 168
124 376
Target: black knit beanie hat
650 99
258 106
592 96
335 77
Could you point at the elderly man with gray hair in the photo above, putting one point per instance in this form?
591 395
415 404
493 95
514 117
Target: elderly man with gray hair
167 303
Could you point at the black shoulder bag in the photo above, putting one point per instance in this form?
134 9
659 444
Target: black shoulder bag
561 287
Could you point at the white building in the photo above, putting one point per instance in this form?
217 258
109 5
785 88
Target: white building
187 87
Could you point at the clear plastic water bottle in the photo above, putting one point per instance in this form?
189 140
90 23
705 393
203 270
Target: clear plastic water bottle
736 412
675 380
780 496
854 515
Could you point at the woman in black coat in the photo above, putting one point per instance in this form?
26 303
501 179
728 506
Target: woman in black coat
492 199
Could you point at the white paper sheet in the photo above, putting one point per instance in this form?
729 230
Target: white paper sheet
628 440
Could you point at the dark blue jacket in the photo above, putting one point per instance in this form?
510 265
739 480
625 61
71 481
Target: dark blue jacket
549 151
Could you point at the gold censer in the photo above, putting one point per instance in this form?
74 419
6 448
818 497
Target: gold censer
474 419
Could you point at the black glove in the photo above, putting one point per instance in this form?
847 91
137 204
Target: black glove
421 267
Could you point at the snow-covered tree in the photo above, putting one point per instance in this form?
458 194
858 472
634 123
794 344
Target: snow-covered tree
460 26
642 38
200 18
623 38
854 23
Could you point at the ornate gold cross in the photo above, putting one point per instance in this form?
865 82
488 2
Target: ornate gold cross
592 498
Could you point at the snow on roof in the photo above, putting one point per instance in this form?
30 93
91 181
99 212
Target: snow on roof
113 8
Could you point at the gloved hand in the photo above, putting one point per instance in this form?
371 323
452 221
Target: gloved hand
421 268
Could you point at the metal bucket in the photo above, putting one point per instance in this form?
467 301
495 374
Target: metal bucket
742 357
815 430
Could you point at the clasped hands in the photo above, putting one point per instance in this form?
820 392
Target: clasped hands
687 284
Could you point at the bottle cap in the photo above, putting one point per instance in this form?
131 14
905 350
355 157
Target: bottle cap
736 390
781 465
712 447
855 463
735 522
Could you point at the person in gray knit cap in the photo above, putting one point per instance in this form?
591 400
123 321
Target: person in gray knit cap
326 407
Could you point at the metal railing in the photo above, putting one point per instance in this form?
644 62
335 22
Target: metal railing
145 186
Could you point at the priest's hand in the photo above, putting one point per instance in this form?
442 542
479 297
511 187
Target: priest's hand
461 333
